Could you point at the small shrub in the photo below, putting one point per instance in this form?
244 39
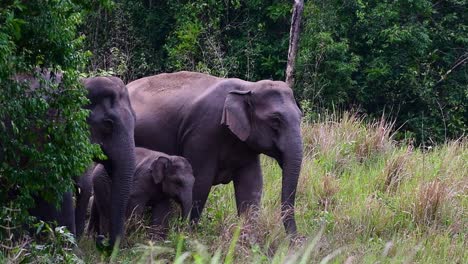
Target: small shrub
51 245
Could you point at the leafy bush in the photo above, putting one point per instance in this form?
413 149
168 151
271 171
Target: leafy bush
56 245
244 39
44 138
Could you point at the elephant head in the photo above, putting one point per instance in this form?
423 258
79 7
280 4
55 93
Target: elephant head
267 118
175 175
112 122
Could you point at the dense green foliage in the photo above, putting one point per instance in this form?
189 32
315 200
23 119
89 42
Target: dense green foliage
404 58
44 137
407 58
246 39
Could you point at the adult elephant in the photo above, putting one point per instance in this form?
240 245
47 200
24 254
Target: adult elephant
111 121
221 126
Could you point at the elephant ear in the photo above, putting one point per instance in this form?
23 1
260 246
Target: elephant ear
160 168
236 113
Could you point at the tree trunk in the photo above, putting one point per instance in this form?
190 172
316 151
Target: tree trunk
294 40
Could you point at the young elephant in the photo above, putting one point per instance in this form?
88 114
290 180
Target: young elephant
158 178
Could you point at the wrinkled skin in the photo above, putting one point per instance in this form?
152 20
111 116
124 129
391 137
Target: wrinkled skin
158 178
111 121
221 126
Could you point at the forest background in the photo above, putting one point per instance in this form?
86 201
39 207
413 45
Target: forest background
404 60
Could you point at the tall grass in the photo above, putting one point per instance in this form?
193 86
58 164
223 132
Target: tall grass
362 198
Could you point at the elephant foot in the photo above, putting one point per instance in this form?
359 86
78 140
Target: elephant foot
103 246
297 241
158 233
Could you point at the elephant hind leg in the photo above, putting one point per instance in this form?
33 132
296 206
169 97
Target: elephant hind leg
93 225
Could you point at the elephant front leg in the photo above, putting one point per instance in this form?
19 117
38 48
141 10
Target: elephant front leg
94 221
102 200
248 186
67 213
201 190
160 214
82 200
83 194
204 170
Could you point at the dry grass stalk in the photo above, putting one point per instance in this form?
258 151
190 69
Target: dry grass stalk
350 260
256 228
326 193
378 139
430 200
347 138
394 171
454 162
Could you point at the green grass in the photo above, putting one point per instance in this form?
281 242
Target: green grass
362 198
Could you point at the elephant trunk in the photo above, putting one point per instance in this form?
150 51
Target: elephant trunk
122 171
186 204
291 160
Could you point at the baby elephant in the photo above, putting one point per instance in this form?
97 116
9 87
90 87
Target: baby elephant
158 178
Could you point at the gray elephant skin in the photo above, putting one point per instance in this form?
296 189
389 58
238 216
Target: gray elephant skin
221 126
158 178
111 121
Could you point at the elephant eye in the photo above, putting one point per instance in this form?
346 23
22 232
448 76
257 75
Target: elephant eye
108 124
275 122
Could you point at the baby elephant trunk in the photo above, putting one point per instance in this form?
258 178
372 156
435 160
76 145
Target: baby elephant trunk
186 204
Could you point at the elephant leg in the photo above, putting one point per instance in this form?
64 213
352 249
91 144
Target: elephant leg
102 193
200 195
63 216
160 214
248 186
136 206
83 195
81 208
201 190
67 213
94 222
82 202
204 170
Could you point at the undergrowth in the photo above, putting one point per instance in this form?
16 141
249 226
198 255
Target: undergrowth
362 198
